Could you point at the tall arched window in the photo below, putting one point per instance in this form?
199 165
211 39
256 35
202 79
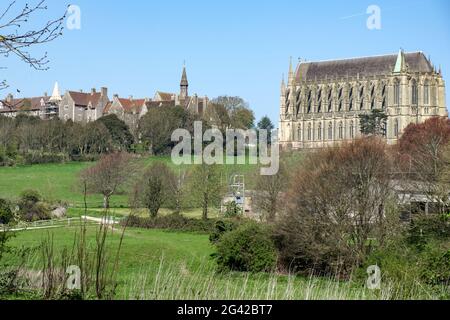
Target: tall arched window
361 98
396 92
350 99
299 133
352 130
330 131
319 101
319 132
414 93
396 128
372 104
330 100
341 131
309 132
426 92
309 102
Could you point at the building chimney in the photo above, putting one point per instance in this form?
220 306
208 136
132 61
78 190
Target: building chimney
9 98
104 91
45 94
93 91
81 90
130 97
116 96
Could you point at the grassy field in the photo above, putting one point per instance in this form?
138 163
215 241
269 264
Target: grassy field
59 182
166 265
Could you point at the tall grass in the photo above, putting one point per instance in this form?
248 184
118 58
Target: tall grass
169 281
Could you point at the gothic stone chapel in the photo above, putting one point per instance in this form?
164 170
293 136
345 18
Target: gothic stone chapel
322 101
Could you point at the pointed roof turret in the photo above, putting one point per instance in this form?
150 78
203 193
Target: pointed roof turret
184 80
56 96
400 65
291 72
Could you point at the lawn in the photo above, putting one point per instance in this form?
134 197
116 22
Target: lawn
157 264
58 182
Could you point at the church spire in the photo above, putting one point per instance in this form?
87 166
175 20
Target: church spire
184 84
56 96
400 65
291 72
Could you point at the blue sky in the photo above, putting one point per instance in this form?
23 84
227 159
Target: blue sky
230 47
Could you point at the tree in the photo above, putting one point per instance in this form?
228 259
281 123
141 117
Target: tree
218 115
6 214
373 124
108 175
269 193
155 188
121 136
206 186
230 103
423 153
266 124
242 118
338 200
157 126
18 35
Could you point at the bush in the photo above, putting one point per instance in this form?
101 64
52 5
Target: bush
33 157
436 270
6 214
249 248
425 228
221 227
233 210
173 222
31 208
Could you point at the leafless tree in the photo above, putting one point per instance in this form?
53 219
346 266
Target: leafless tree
270 191
17 37
108 175
337 201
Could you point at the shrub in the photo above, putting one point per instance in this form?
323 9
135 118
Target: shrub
6 214
249 248
425 228
221 227
31 208
436 270
173 222
33 157
233 210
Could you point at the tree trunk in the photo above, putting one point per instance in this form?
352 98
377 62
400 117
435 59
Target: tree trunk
105 202
205 207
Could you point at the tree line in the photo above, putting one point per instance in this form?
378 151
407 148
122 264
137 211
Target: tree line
30 140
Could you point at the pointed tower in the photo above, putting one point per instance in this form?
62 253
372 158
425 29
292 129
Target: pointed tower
184 85
400 65
291 77
56 96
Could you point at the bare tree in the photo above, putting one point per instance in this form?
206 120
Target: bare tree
269 194
337 201
207 188
108 175
17 39
155 189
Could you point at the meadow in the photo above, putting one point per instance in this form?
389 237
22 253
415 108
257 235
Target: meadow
158 264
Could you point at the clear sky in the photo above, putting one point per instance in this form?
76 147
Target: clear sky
230 47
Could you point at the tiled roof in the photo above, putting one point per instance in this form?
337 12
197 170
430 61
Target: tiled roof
132 105
166 96
368 66
25 104
160 104
83 99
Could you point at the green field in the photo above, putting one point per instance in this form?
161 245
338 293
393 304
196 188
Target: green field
59 182
166 265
